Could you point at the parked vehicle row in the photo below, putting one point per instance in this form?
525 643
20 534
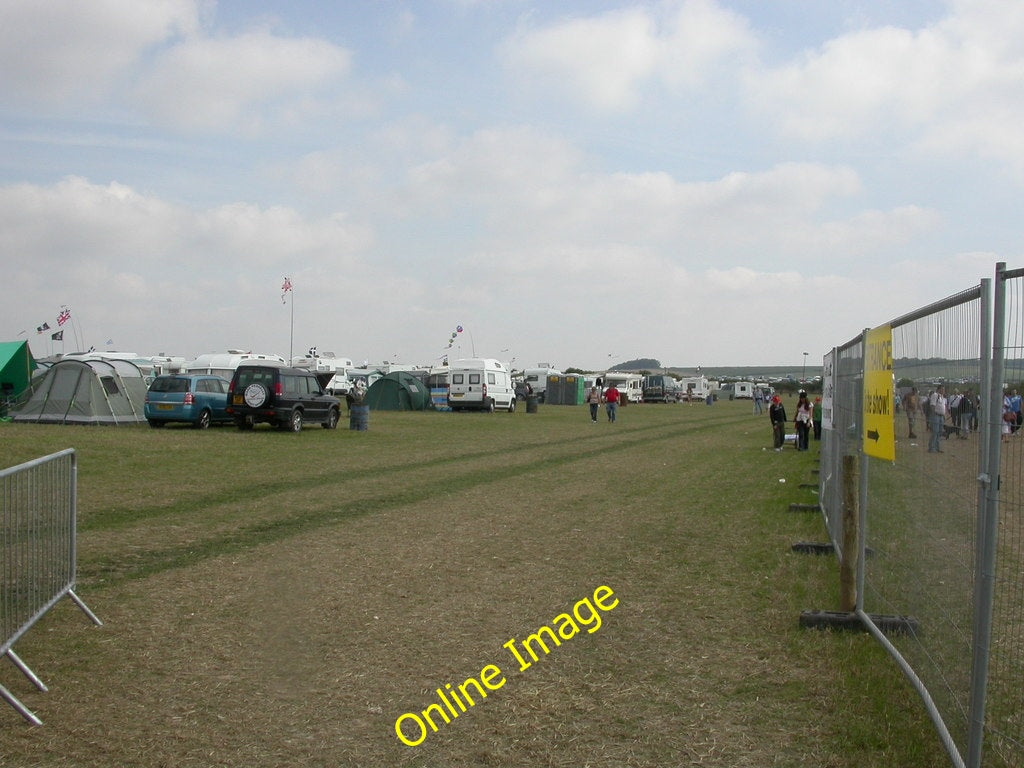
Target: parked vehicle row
266 393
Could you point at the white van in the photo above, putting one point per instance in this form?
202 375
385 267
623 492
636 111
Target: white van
480 383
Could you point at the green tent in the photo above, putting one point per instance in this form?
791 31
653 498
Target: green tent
398 391
16 366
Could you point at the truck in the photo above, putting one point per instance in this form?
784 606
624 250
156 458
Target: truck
480 384
630 385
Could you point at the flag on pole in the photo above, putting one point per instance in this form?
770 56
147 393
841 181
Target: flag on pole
58 336
285 287
64 316
43 327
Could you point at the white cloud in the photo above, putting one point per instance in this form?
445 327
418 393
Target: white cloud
117 255
953 87
239 82
608 60
65 52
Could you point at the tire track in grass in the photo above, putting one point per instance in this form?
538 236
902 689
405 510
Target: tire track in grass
126 516
114 569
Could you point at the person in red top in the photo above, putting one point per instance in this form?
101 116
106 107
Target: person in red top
611 402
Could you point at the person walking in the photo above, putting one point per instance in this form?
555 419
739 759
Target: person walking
593 399
910 406
777 416
937 417
816 415
611 402
804 418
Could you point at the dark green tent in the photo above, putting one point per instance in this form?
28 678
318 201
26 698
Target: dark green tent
398 391
16 366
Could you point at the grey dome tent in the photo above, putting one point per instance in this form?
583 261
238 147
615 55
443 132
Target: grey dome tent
398 391
87 391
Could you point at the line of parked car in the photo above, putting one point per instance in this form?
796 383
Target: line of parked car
282 396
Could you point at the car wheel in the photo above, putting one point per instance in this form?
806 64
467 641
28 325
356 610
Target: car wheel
294 424
512 405
490 405
332 419
156 424
203 422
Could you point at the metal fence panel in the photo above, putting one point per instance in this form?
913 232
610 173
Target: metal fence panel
923 508
37 552
37 540
1004 702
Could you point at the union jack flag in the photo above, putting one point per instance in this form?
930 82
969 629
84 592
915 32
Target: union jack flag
64 316
285 287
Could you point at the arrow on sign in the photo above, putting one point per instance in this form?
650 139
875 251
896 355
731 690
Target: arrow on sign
873 435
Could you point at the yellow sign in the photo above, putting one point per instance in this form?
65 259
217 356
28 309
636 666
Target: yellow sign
879 432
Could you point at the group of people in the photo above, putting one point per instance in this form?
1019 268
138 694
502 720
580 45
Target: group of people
806 422
610 397
961 409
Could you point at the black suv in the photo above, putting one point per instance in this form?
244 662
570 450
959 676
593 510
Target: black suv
282 397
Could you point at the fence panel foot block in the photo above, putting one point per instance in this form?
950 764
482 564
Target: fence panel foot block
842 620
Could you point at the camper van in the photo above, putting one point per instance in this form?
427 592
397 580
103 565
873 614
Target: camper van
341 382
480 383
537 378
744 390
223 364
630 385
697 388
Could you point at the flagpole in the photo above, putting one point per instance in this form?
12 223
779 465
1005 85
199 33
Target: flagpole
286 288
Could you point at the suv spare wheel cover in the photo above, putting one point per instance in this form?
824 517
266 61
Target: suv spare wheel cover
255 395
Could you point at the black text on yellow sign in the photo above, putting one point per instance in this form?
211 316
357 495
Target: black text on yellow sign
879 434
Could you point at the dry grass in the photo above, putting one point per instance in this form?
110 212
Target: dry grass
279 600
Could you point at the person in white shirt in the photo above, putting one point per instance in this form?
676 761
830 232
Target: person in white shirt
937 415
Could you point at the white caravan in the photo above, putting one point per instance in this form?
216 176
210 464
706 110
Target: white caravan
223 364
630 385
537 378
698 387
743 390
340 382
480 383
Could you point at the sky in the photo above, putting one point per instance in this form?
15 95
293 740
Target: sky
703 182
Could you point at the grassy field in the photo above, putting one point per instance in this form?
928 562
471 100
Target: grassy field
277 600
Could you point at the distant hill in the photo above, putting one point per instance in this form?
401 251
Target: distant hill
640 364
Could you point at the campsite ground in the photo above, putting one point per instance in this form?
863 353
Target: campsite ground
275 600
